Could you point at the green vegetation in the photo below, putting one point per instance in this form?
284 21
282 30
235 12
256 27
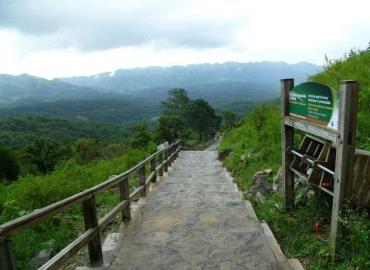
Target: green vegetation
258 141
303 233
353 66
16 132
183 117
51 159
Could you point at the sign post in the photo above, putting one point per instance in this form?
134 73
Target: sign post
322 111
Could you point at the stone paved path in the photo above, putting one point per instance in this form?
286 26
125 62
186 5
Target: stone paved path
195 219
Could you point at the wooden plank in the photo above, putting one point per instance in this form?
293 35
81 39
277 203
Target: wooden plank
136 194
312 128
287 141
345 153
125 196
142 180
90 217
58 260
161 164
165 168
91 222
7 258
153 165
149 178
38 215
104 221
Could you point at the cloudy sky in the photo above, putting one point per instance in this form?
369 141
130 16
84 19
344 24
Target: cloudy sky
54 38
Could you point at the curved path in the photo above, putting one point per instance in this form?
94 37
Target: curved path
195 219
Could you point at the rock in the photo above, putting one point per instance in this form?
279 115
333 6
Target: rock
43 256
224 154
310 194
260 198
261 184
163 146
111 244
277 183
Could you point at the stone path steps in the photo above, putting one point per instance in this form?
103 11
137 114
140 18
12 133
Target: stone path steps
195 219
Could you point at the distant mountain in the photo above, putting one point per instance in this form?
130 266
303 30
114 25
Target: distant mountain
25 88
259 73
130 95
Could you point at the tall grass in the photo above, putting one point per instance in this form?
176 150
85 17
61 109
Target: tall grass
255 146
32 192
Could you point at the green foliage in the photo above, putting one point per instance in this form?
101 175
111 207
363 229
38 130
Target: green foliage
85 150
9 167
45 154
171 127
17 132
202 118
229 119
176 102
354 66
182 116
259 144
32 192
141 137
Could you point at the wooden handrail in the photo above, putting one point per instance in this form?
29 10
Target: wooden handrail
91 236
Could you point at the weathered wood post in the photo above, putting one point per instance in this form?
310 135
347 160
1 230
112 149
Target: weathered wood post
153 165
287 140
125 196
346 144
160 163
91 222
7 258
142 180
166 159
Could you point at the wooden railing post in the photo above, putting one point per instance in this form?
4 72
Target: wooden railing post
91 222
7 258
346 143
125 196
287 140
153 166
142 180
160 163
166 160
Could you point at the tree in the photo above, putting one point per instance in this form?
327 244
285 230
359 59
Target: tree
85 150
141 137
176 102
44 154
202 118
171 127
9 168
229 118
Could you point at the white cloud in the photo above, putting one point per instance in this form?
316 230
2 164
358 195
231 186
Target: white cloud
64 38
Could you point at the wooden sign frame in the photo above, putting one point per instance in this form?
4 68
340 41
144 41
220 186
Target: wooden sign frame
344 139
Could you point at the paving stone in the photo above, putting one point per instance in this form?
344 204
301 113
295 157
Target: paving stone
195 219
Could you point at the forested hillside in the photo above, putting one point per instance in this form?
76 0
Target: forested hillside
254 146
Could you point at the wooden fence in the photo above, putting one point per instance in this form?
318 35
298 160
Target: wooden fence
359 188
159 163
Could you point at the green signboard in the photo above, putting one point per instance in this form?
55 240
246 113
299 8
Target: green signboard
316 103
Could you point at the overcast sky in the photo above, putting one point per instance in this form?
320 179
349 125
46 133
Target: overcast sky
54 38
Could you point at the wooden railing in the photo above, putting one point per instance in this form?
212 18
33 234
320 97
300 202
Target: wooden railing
159 163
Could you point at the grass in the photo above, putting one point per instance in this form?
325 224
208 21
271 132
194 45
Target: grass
255 146
32 192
